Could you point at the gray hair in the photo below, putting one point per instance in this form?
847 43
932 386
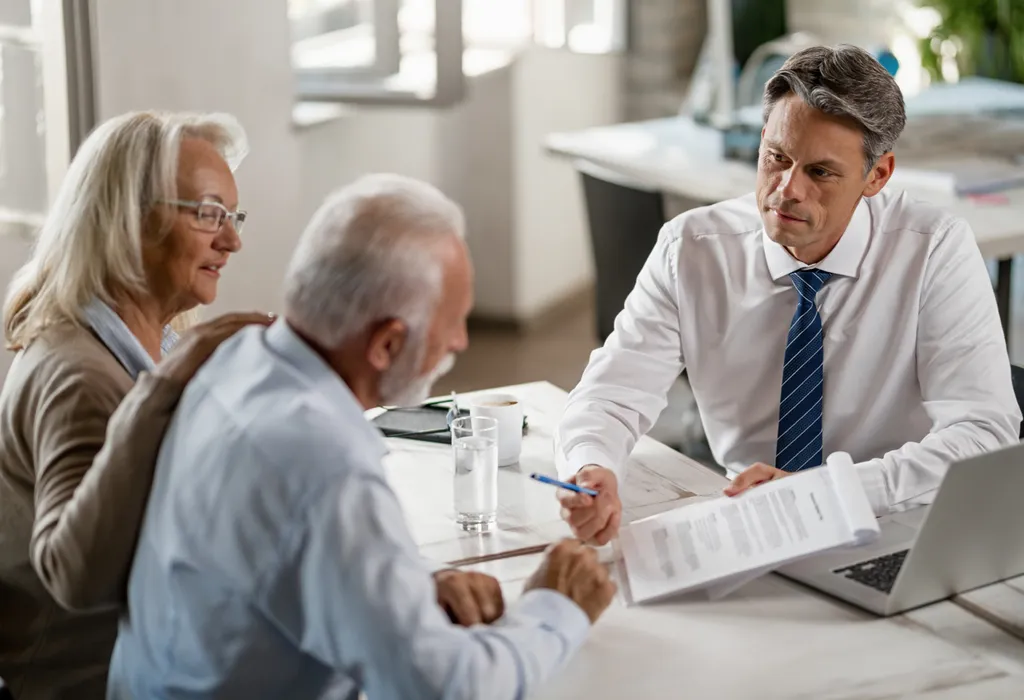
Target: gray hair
367 256
91 244
844 81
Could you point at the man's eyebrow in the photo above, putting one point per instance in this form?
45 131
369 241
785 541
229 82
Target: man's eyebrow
828 163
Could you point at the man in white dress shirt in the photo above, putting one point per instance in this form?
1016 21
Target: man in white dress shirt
821 313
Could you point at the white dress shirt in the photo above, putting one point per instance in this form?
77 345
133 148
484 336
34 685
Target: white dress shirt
916 373
275 561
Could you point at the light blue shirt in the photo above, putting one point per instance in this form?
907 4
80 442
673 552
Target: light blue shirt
120 341
274 560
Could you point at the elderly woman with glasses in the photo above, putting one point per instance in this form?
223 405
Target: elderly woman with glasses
138 236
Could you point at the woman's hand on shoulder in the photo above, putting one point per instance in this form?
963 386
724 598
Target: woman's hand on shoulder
198 343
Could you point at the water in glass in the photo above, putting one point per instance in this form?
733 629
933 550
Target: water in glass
476 477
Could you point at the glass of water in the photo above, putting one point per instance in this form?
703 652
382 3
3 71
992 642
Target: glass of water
475 448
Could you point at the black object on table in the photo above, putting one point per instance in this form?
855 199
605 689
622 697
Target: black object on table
428 423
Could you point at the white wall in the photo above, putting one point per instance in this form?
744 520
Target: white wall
555 91
524 210
233 56
866 23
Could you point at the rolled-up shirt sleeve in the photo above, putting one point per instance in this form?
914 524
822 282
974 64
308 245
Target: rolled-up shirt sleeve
625 386
368 605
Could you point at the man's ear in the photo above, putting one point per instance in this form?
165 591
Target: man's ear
879 175
386 343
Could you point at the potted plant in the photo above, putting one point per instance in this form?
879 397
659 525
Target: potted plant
988 36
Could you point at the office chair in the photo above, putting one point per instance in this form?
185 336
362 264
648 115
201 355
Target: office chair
1017 376
624 219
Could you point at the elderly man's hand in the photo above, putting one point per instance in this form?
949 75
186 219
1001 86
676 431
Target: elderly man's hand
752 476
574 570
469 598
593 519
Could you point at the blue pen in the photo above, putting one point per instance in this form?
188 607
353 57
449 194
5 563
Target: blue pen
555 482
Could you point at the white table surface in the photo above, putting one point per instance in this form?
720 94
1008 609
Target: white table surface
421 474
776 639
771 639
680 157
1001 604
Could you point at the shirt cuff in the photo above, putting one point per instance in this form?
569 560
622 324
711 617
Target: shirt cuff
872 478
557 613
583 455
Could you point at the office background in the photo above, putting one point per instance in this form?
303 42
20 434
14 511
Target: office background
331 89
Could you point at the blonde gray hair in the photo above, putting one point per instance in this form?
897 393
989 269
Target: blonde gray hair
366 256
91 243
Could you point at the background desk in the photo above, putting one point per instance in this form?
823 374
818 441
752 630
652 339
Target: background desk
627 168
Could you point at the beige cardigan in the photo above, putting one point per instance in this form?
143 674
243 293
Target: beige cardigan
72 496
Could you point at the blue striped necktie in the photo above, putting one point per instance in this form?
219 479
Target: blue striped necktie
799 442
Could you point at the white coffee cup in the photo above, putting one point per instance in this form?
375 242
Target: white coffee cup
506 409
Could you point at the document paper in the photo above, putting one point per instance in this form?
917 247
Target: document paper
725 542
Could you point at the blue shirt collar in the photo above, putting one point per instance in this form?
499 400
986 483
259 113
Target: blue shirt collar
287 344
120 341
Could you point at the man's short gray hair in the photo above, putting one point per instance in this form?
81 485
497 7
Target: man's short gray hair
366 256
844 81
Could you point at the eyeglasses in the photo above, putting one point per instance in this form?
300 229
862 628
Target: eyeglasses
210 216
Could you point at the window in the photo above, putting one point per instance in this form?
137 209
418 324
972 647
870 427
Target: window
23 187
420 51
43 44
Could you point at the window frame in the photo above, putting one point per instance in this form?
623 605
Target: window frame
355 86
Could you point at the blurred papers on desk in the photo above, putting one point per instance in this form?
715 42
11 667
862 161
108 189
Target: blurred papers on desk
960 176
718 545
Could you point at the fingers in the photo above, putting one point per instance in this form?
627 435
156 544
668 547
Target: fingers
571 500
605 535
455 594
598 522
579 517
594 477
243 318
563 549
593 525
487 593
608 591
752 476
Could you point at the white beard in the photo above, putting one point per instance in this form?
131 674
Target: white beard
400 386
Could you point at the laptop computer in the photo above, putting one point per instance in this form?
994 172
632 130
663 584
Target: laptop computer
970 536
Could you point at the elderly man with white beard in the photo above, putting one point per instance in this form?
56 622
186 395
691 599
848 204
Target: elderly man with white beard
274 560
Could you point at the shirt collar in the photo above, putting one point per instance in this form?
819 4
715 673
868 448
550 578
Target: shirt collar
285 342
844 259
116 336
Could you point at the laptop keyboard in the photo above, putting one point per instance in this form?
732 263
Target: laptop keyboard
879 573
